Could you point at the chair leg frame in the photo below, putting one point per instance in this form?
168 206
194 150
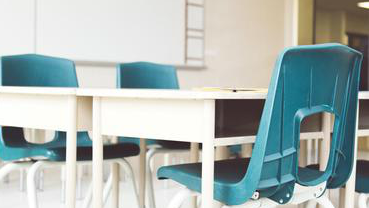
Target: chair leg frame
108 186
9 167
306 193
31 181
33 170
149 175
362 201
313 195
323 201
152 151
185 193
62 179
178 199
260 203
80 169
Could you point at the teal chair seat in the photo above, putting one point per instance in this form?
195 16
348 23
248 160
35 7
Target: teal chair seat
55 150
84 153
362 175
227 178
173 145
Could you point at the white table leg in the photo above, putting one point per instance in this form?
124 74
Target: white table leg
97 156
207 177
246 150
194 157
341 196
115 181
71 155
207 182
326 142
115 185
303 153
350 185
142 173
221 153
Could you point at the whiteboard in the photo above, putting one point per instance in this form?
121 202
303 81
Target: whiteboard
17 31
112 30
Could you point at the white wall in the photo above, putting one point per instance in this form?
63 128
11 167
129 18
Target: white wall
16 27
242 41
112 31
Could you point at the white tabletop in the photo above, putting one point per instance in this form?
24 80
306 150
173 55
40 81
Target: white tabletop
39 90
146 93
171 94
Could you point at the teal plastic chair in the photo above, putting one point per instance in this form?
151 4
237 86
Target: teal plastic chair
306 80
42 71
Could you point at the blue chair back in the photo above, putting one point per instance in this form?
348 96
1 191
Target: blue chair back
306 80
37 70
145 75
31 70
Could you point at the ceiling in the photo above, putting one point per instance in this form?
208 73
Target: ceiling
345 5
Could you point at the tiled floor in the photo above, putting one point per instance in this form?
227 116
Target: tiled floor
11 197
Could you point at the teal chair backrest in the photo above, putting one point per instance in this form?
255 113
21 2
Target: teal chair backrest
37 70
306 80
32 70
146 75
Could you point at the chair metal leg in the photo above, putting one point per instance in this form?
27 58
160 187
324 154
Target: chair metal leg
79 181
261 203
166 163
108 186
129 170
7 168
6 179
88 198
149 175
362 200
324 201
31 184
198 201
40 180
178 199
62 179
311 204
22 175
31 180
107 189
106 192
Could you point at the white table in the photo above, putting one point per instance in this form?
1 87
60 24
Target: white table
165 115
159 114
49 108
